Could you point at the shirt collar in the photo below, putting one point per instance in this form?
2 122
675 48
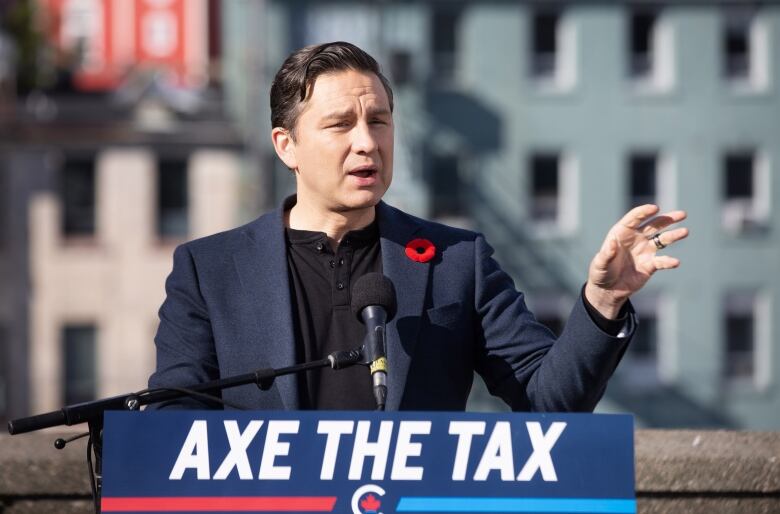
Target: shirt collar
360 237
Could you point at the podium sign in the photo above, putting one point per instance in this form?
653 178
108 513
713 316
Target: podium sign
367 462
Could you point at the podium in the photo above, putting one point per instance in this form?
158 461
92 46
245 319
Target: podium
367 462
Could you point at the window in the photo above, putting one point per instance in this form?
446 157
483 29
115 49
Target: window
740 334
401 67
78 196
448 191
745 192
172 199
650 179
553 187
747 340
553 61
645 343
642 179
83 31
79 363
445 43
544 187
643 26
736 42
651 49
745 48
640 367
545 42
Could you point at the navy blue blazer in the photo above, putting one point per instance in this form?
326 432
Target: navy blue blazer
228 311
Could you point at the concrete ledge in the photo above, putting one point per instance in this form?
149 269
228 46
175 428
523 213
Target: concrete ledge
700 461
30 466
48 506
686 471
37 478
707 472
718 505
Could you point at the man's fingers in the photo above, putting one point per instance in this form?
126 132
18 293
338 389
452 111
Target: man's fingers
638 215
665 262
662 221
672 236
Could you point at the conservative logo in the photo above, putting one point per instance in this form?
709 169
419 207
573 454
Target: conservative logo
366 499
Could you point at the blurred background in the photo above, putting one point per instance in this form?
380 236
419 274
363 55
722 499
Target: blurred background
130 126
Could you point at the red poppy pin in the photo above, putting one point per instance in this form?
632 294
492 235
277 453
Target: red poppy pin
420 250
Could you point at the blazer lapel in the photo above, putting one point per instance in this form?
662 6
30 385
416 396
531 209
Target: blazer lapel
262 267
410 279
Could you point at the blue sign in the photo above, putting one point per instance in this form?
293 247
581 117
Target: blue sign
367 462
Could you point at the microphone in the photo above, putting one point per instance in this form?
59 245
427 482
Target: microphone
373 303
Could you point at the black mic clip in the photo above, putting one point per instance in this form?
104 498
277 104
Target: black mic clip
346 358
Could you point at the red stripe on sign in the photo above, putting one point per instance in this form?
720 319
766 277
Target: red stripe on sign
223 504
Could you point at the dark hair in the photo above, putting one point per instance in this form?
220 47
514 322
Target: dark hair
294 80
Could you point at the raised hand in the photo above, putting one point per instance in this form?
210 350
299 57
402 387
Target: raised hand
629 256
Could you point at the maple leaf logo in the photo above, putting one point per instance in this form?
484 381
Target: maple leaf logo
370 503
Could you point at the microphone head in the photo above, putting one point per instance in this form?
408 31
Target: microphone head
373 289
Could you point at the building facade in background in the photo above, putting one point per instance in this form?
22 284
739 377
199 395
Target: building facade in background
102 41
97 268
122 155
537 123
541 123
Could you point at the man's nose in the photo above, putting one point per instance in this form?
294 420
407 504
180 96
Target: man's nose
363 140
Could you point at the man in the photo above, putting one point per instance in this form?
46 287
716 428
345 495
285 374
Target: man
277 291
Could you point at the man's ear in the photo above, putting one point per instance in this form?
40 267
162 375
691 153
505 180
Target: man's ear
284 146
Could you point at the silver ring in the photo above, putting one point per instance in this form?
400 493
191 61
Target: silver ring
657 240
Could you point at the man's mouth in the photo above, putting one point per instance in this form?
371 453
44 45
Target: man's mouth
363 172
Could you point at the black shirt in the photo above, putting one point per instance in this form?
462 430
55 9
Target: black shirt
321 281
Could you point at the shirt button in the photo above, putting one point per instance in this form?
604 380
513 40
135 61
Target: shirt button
341 261
320 247
332 264
340 286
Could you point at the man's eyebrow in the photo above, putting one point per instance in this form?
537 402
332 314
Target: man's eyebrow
344 113
348 113
379 111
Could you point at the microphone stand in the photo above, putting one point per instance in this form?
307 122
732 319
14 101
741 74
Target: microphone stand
92 412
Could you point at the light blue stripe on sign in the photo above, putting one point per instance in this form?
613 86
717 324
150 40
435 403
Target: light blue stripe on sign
557 505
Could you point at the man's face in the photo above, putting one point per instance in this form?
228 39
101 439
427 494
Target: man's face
343 147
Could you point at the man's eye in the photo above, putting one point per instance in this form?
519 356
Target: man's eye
378 122
340 124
